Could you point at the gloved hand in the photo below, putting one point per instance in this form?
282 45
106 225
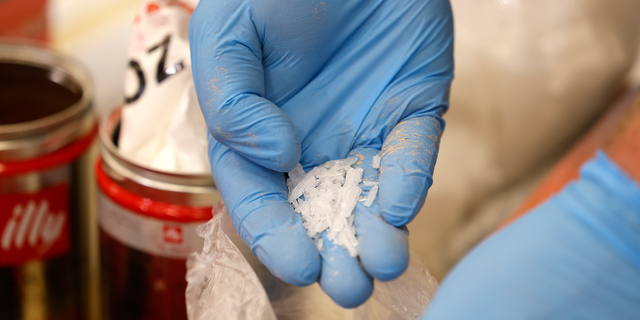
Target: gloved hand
577 256
288 82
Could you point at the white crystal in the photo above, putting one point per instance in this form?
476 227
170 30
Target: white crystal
325 198
370 183
375 162
309 181
320 244
371 196
295 176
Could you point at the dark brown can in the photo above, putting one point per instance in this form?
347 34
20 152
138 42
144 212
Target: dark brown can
147 224
46 128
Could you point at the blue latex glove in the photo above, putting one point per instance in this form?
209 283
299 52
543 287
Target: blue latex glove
283 82
577 256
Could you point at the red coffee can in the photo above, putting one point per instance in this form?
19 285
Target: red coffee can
46 129
147 224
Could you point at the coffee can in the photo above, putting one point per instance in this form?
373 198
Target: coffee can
148 221
46 129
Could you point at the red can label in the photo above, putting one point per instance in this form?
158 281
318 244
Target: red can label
34 226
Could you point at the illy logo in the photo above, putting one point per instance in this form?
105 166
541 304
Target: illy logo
32 225
172 234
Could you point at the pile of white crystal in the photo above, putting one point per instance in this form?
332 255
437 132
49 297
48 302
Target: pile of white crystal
326 197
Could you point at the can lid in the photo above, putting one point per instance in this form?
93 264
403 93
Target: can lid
20 140
54 159
147 206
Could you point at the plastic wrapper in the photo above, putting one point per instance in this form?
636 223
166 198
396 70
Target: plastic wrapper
221 283
226 281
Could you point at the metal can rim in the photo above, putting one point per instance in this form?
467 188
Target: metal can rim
34 138
193 189
57 158
146 206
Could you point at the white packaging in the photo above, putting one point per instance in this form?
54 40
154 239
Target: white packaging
162 126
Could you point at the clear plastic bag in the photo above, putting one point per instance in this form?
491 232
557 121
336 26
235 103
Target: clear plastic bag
226 281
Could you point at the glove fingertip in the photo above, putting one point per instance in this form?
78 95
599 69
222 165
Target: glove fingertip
395 220
384 249
390 268
295 262
402 194
342 278
348 299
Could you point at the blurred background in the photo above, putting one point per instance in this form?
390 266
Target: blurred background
531 76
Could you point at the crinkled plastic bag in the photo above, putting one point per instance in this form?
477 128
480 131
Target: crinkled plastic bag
221 284
226 281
